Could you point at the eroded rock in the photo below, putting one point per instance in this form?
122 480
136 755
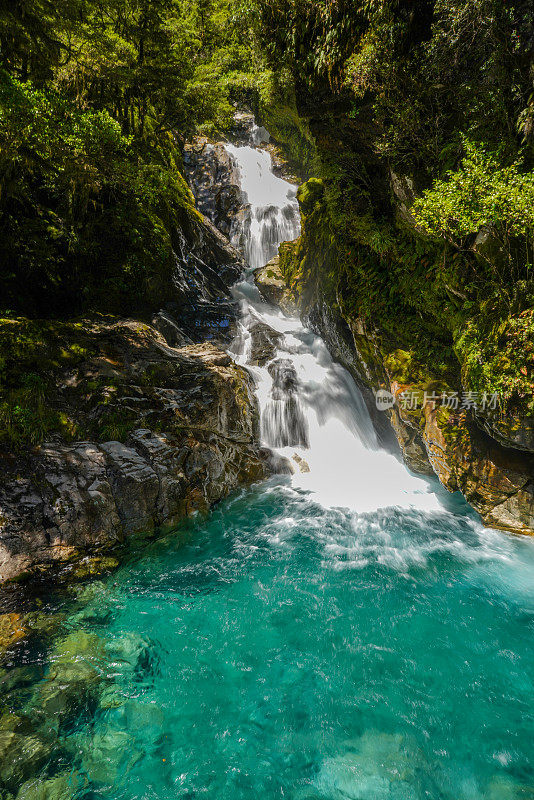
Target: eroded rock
189 428
274 289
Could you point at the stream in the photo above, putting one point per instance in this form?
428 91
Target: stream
346 632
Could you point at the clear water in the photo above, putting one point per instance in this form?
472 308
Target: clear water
286 650
347 632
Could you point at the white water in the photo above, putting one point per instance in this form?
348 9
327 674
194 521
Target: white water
271 214
312 413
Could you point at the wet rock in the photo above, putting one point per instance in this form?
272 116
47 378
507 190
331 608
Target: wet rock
509 430
496 481
93 565
169 329
214 180
17 678
131 651
278 465
111 697
265 343
69 502
134 485
274 289
411 443
23 751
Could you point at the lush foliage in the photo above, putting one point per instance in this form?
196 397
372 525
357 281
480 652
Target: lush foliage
421 118
483 197
96 97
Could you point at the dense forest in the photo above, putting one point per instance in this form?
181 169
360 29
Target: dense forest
413 121
96 99
419 217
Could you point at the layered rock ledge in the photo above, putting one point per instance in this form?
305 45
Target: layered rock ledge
169 431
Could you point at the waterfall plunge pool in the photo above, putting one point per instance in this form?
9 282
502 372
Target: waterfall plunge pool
346 633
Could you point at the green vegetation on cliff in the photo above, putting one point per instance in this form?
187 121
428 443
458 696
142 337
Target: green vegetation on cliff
96 98
420 122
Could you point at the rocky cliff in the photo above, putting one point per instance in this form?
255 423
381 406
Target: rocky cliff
453 444
168 431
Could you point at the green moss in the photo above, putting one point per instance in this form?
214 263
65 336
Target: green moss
497 356
44 389
32 353
290 130
309 194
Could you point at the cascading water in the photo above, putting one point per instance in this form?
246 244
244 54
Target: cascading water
270 213
343 633
311 411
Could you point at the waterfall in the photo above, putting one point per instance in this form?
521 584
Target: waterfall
312 413
283 420
270 214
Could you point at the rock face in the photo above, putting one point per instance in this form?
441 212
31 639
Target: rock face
273 287
184 433
214 180
200 304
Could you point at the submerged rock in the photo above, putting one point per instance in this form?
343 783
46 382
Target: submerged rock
379 765
23 751
74 678
62 787
108 754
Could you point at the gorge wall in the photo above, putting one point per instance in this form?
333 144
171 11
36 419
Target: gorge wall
363 275
117 427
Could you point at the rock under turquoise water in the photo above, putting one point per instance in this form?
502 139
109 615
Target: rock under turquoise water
288 651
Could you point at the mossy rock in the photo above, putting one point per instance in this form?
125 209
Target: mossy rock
62 787
309 194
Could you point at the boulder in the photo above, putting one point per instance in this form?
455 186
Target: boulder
186 427
264 344
274 289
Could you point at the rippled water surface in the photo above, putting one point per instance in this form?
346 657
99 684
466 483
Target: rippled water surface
285 650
